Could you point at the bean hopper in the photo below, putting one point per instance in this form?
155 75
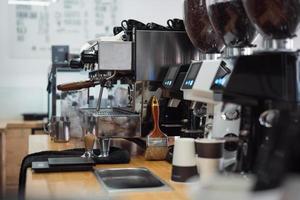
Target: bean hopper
266 83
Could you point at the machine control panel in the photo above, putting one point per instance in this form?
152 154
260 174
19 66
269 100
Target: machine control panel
191 75
199 79
222 75
171 76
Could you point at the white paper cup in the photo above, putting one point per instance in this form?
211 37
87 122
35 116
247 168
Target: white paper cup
209 157
184 160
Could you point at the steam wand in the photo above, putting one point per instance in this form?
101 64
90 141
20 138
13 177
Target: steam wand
104 83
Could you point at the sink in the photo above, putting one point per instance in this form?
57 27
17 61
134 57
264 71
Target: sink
130 179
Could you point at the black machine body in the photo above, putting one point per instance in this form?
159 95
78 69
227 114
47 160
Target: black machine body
174 79
262 76
266 84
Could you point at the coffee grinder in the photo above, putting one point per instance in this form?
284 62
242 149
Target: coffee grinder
266 84
201 74
231 23
190 120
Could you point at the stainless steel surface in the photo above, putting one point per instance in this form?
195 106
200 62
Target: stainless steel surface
117 123
87 121
277 45
157 50
99 98
49 127
115 55
111 123
104 144
148 57
130 180
142 95
233 52
210 56
59 129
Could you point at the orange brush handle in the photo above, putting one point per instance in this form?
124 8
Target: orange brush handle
156 132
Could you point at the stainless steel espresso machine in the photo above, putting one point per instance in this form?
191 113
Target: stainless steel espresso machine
266 84
140 60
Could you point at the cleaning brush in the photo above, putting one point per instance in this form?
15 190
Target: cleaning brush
157 141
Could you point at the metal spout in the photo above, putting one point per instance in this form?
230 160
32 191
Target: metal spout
104 147
278 45
232 52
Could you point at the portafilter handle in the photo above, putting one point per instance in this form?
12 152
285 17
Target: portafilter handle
76 85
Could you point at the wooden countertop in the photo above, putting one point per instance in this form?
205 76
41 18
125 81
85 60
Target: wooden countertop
84 185
2 126
20 124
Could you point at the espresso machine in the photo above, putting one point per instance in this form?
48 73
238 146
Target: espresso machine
266 84
221 120
139 59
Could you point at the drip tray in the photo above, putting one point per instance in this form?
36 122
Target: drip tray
130 180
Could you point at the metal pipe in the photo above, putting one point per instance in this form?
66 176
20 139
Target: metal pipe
101 90
99 99
104 147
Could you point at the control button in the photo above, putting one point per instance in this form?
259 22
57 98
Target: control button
220 81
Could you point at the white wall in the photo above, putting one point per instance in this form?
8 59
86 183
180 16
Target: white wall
23 81
158 11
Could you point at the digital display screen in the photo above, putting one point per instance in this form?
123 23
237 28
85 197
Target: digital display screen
221 77
192 74
223 71
194 71
172 73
